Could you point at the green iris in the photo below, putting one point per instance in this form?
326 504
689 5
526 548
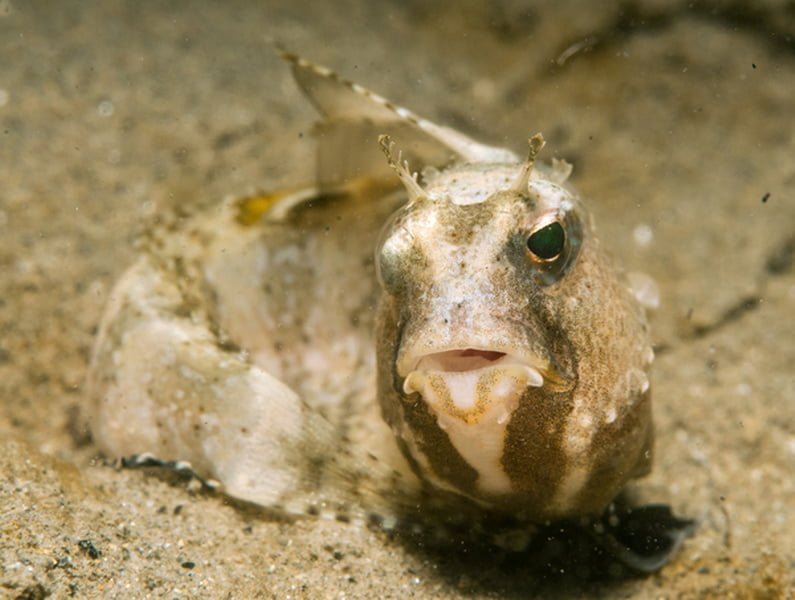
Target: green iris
547 242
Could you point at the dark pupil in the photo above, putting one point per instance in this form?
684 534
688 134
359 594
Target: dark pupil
547 242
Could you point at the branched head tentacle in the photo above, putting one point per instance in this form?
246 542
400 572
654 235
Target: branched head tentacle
536 143
401 167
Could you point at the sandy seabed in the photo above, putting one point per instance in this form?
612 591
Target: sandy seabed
680 122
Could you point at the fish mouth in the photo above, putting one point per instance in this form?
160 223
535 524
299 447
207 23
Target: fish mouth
458 360
467 380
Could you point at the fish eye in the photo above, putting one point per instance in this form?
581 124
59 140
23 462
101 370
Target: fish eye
547 243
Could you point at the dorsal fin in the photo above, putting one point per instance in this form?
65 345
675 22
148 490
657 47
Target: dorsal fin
354 118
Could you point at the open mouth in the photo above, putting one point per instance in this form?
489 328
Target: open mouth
465 378
467 359
460 360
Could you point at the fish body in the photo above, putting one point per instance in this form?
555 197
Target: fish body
370 343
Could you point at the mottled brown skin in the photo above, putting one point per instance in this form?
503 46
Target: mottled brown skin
241 340
581 423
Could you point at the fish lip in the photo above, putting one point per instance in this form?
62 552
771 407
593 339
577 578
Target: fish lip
469 358
554 379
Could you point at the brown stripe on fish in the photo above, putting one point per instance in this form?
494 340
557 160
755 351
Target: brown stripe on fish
443 458
534 457
618 448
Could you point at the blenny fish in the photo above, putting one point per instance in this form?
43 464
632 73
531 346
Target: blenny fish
448 347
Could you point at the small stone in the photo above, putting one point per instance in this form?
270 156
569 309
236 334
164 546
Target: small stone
89 548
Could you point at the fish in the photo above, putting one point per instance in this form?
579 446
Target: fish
432 337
